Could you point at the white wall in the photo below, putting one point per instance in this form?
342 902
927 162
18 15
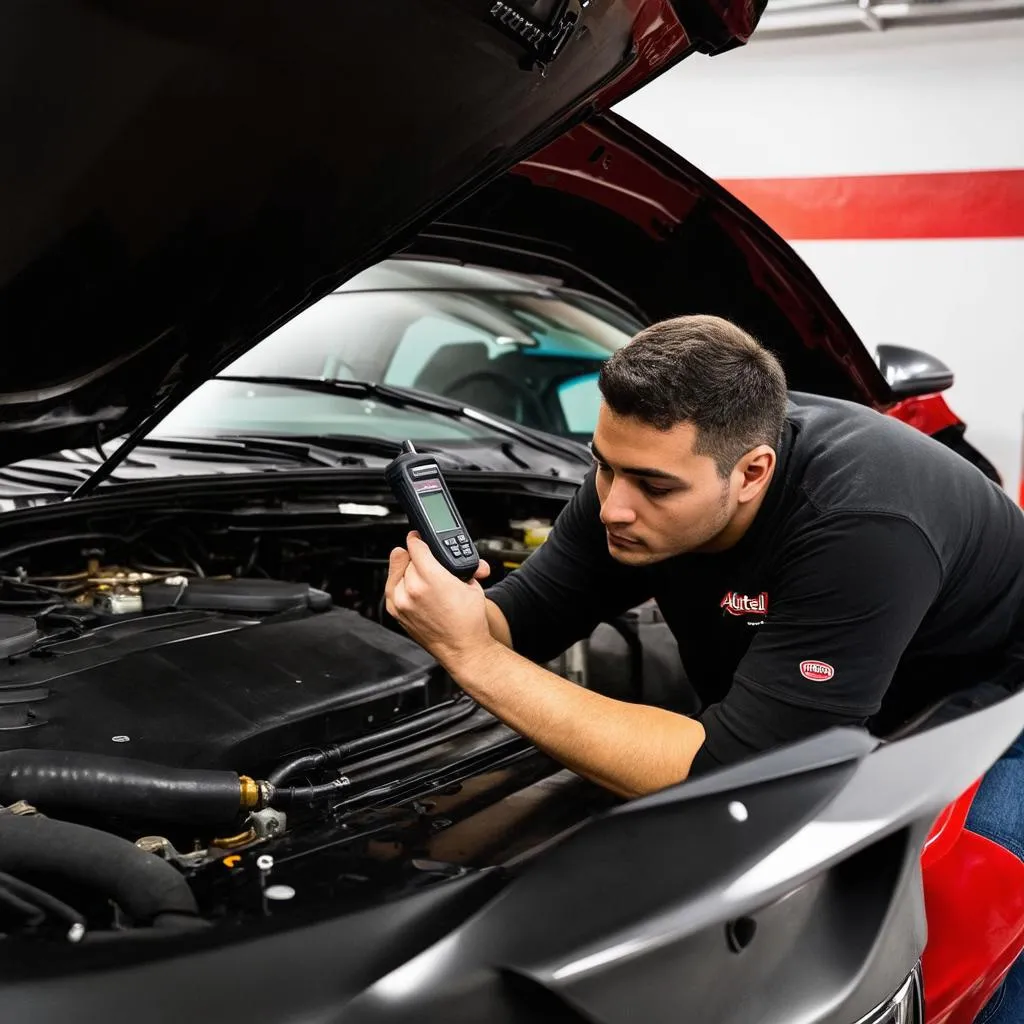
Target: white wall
909 100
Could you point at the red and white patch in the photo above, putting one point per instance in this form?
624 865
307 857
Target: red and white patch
745 604
817 671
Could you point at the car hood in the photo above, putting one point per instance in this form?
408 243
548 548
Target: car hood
180 178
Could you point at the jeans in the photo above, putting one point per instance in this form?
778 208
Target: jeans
997 813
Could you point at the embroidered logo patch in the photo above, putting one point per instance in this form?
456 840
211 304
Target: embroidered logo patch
817 671
744 604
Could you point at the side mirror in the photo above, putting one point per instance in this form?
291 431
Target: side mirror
910 372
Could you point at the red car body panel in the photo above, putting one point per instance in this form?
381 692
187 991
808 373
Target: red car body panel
947 828
974 901
928 413
587 162
659 41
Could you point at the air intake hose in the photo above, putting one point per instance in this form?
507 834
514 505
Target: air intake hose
145 887
117 786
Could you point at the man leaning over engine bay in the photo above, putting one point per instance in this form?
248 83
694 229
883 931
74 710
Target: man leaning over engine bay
820 564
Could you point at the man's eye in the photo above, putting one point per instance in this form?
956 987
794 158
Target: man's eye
654 492
602 467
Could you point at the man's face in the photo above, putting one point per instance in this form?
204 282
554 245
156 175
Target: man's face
658 498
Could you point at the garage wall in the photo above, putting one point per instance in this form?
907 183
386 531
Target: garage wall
894 162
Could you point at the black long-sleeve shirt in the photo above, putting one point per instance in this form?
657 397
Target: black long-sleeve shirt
882 572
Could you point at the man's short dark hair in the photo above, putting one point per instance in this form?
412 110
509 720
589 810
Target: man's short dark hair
701 370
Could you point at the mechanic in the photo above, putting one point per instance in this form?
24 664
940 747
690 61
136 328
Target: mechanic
819 563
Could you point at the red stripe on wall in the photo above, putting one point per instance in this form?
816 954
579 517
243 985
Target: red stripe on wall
962 204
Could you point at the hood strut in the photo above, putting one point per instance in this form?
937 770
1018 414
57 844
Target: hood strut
107 467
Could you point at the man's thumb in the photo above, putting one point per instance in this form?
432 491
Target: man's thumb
421 555
398 561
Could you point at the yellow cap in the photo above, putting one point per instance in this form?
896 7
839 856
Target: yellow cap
534 536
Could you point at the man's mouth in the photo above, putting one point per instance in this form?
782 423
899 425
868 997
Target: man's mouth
619 541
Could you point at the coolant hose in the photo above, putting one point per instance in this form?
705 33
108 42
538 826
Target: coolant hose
292 797
117 786
471 718
146 888
338 753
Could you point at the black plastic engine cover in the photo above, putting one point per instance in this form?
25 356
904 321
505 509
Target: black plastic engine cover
205 689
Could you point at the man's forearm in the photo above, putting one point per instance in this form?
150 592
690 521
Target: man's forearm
630 749
497 623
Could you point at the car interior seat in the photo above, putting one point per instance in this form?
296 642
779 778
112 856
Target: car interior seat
450 363
465 372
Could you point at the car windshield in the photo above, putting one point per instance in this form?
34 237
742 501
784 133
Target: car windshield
528 356
226 407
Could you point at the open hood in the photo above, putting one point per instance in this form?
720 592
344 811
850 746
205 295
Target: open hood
179 178
609 210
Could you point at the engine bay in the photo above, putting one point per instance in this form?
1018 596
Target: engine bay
192 695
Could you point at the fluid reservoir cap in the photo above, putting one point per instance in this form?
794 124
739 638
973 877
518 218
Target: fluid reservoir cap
279 892
536 535
118 603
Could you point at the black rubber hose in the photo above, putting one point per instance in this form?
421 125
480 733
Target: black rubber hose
169 926
41 899
31 916
50 779
145 887
302 796
338 753
304 762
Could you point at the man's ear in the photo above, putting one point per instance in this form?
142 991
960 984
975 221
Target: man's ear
755 469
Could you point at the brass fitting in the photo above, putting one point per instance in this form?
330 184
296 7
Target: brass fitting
235 842
250 794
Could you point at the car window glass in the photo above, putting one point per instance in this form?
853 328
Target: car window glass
474 345
512 353
345 336
559 327
618 318
223 407
312 344
579 399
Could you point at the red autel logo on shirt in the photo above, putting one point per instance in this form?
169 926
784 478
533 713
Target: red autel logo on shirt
744 604
817 671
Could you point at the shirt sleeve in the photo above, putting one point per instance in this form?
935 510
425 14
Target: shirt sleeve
853 592
569 584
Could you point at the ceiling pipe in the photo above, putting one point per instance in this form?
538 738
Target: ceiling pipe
800 17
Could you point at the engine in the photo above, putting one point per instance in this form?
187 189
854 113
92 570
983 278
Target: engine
218 689
182 693
181 686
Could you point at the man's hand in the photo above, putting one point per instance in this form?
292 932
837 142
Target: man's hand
628 748
440 612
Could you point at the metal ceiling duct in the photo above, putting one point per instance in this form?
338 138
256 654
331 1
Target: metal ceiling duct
807 17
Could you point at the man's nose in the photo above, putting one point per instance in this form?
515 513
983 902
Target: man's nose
616 509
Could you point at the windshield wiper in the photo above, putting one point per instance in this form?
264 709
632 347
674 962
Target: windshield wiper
256 447
222 448
345 450
389 394
31 476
